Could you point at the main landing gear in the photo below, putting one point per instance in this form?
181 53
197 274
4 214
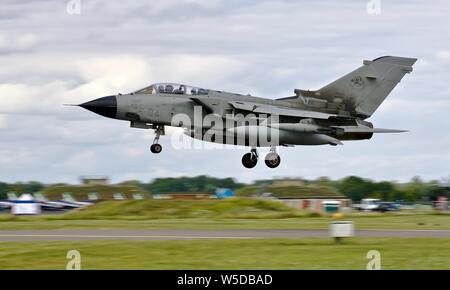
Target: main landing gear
272 159
156 147
249 160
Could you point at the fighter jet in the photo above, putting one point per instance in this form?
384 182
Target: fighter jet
334 113
39 198
11 198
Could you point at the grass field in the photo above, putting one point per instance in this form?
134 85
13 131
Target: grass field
396 253
386 222
80 192
239 213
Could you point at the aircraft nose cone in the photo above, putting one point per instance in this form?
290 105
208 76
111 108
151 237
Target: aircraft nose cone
106 106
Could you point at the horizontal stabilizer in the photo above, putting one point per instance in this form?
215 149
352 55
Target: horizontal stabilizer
258 108
335 142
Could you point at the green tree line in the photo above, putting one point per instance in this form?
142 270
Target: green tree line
200 183
19 187
353 187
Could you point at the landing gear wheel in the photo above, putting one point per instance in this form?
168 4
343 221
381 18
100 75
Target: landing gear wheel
249 160
272 160
156 148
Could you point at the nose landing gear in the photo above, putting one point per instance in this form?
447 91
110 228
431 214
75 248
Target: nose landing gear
156 147
272 159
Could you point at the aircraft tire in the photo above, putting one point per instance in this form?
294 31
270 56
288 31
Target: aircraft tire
249 160
272 160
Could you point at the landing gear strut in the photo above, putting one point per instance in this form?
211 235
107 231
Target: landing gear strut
272 159
156 147
249 160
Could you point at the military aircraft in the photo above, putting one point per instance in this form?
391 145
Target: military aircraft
334 113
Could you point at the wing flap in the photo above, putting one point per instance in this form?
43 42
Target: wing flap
381 130
275 110
365 129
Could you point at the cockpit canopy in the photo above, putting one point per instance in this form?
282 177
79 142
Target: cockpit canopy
172 88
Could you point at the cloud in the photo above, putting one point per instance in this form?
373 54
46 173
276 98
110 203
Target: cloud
17 43
100 75
82 161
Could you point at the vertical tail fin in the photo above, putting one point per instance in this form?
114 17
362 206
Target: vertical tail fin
364 89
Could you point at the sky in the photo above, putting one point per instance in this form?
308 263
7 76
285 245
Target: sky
54 52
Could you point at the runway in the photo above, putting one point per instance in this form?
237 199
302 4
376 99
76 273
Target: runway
80 235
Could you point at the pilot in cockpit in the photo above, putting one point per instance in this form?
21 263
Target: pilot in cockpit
169 89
